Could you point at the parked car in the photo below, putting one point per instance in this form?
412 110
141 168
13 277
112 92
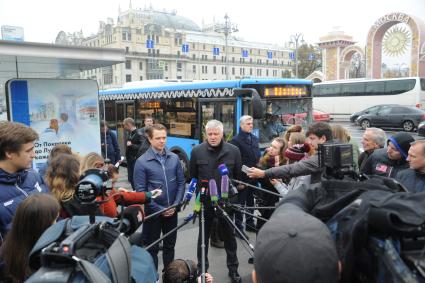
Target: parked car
318 115
392 116
372 109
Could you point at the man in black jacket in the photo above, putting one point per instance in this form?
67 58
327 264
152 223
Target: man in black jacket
134 141
204 162
388 161
413 178
372 139
110 148
250 152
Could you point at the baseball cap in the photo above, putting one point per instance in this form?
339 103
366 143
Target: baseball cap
295 247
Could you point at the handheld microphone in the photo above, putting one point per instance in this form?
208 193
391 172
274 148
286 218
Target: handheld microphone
190 190
198 203
213 191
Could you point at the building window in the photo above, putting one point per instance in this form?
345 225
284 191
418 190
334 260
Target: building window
193 57
250 71
214 57
250 60
128 64
203 46
178 53
193 46
267 72
157 39
223 70
166 67
179 77
127 49
194 69
127 78
233 70
179 66
141 78
157 52
233 59
126 35
233 49
214 69
140 65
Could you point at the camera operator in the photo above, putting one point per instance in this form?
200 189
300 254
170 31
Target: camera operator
159 168
317 133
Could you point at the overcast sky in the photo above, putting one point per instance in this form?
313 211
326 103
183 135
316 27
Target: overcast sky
267 21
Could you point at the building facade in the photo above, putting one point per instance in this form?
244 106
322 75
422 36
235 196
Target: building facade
163 45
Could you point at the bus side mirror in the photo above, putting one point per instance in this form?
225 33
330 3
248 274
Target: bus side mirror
257 107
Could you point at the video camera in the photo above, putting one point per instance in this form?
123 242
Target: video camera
337 158
93 183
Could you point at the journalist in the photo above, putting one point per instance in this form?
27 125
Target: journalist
317 133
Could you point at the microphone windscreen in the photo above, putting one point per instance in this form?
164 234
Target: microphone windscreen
213 190
225 187
222 168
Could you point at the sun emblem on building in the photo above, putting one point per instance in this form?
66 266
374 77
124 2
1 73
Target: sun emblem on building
396 41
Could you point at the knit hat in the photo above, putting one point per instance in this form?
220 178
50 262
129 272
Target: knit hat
297 151
295 247
402 142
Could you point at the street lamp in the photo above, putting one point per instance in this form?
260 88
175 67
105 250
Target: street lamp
226 28
298 37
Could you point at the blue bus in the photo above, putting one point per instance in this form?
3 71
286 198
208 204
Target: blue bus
184 107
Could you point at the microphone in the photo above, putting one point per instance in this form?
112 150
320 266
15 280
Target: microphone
225 187
190 190
213 191
224 172
131 218
204 190
222 168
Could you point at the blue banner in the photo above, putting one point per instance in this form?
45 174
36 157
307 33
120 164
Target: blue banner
269 54
185 48
292 55
216 51
150 44
245 53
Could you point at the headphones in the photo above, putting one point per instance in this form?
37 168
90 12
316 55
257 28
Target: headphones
192 277
192 273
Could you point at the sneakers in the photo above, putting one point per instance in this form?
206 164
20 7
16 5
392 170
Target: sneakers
235 277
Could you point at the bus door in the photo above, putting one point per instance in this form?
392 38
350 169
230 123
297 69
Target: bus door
222 110
124 109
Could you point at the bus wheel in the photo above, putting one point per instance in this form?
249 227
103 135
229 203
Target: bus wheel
408 126
365 124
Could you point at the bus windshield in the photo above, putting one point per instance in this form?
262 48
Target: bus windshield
279 115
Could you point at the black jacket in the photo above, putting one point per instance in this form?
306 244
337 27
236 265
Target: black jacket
379 163
136 137
204 162
112 149
362 158
413 180
249 148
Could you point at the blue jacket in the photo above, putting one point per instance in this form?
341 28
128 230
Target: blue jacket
111 146
14 188
150 173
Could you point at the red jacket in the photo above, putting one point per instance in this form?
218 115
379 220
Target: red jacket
109 208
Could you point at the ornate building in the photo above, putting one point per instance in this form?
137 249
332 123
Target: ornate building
163 45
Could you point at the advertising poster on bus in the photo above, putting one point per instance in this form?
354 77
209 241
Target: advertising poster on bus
61 111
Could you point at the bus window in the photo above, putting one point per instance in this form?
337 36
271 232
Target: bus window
375 88
399 86
423 84
352 89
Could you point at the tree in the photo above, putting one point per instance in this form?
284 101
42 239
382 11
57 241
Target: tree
307 63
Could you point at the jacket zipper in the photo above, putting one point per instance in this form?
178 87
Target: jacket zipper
21 190
166 182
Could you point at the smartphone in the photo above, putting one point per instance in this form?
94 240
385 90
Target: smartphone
245 169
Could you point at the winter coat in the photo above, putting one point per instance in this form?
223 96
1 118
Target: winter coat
14 188
112 149
380 164
150 173
413 180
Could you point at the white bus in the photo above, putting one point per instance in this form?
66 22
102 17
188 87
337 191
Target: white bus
345 97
